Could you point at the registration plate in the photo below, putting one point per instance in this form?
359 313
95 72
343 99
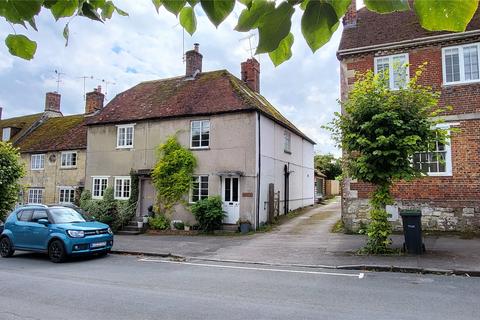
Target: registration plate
98 244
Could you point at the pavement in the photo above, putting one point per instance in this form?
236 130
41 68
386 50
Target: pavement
307 241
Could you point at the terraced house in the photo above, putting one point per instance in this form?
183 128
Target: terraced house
242 143
449 196
53 148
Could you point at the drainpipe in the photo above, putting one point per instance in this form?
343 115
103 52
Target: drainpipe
286 187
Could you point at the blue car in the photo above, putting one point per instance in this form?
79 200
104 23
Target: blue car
57 230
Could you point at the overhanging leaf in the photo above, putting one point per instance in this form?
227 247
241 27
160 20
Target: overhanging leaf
188 19
319 22
107 10
250 18
217 10
65 8
283 52
21 46
157 4
387 6
90 12
275 28
66 34
174 6
121 12
20 11
450 15
340 6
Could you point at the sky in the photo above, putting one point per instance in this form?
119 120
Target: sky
145 46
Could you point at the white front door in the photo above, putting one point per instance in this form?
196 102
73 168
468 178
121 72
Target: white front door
231 199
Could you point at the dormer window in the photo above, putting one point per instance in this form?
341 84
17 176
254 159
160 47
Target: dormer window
6 134
125 135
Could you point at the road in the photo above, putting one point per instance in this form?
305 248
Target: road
128 287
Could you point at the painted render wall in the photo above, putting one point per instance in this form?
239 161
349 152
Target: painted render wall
273 160
52 177
232 148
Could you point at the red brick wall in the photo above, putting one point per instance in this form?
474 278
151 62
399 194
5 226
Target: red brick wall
464 184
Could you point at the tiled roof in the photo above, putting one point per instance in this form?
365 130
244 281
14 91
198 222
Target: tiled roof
22 123
377 29
209 93
56 134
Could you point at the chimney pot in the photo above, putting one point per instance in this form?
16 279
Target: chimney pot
94 100
193 61
52 101
251 74
350 18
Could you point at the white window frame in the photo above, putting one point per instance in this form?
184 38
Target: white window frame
123 144
70 190
199 177
6 134
287 141
201 128
391 79
66 154
461 63
37 161
100 196
122 180
35 194
448 155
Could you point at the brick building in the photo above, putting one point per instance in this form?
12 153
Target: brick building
449 196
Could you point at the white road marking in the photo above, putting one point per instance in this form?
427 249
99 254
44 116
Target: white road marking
353 275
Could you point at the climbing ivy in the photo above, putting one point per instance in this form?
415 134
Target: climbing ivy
172 174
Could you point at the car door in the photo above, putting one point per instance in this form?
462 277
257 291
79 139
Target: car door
21 228
38 237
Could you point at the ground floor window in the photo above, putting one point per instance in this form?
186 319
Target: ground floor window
122 188
199 188
434 162
35 195
99 186
67 195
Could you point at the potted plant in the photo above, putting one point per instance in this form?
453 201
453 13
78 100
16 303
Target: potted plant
140 224
244 225
145 219
186 226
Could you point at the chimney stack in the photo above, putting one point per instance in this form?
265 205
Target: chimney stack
193 59
350 18
52 101
251 74
94 100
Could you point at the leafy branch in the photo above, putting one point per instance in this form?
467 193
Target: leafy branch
272 19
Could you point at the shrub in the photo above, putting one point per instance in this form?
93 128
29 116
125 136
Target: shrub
209 213
113 212
159 222
179 225
11 170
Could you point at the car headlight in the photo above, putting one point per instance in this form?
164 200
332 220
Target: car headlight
76 233
109 230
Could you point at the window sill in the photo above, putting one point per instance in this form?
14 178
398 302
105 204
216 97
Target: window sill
440 174
68 168
199 148
38 169
124 148
459 83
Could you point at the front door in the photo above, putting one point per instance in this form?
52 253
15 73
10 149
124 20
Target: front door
147 196
231 199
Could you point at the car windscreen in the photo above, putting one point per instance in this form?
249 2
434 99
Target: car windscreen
66 215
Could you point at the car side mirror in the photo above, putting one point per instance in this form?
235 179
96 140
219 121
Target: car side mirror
43 221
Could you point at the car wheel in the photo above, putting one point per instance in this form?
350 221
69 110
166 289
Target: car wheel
6 248
56 251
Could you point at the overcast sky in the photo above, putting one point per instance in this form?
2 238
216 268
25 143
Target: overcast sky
146 46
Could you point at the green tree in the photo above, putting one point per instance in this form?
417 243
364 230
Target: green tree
273 20
11 170
328 165
380 131
172 174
